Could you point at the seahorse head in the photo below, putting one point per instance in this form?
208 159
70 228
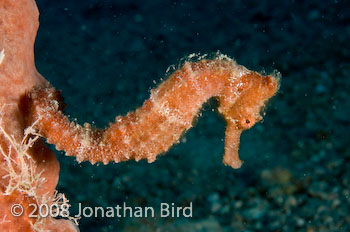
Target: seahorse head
254 92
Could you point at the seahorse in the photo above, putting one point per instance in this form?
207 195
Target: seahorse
161 121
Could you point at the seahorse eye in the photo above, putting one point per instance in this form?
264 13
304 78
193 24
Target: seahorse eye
247 123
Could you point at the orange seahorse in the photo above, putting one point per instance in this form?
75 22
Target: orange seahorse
153 128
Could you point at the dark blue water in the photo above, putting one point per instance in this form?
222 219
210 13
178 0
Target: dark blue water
106 55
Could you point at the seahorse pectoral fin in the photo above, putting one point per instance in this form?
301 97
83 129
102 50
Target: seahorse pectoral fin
232 138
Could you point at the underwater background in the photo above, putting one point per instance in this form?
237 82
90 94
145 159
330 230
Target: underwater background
106 55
